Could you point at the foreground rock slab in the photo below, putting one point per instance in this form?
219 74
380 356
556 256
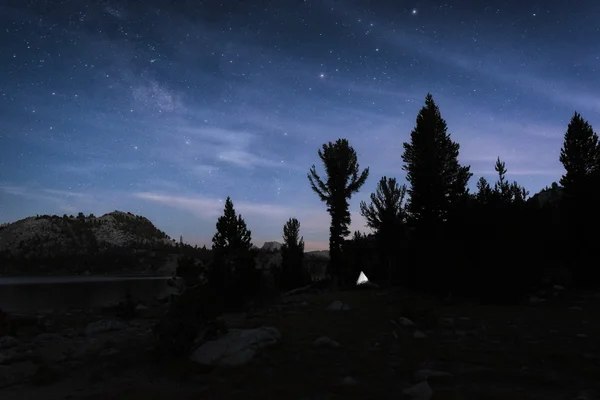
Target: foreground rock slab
104 325
237 347
338 306
420 391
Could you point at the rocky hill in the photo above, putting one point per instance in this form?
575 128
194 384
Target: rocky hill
117 242
50 235
317 254
271 246
549 196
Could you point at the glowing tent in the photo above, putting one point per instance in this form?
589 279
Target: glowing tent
362 279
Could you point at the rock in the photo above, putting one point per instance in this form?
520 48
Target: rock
304 303
349 381
558 287
430 374
325 341
47 337
237 347
405 322
140 307
104 325
581 335
447 322
536 300
8 342
108 352
338 306
420 391
419 335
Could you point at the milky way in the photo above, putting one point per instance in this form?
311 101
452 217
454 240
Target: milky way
166 108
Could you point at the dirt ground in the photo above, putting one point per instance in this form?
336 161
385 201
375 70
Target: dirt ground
543 351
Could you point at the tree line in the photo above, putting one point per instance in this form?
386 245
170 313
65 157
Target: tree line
432 233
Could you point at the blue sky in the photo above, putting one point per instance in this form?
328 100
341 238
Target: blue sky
165 108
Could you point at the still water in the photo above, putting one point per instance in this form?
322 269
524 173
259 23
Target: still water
41 294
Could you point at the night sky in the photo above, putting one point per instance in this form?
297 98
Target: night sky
165 108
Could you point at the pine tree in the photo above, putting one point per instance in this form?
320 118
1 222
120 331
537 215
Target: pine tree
580 156
292 252
385 215
232 233
232 271
437 180
343 180
484 191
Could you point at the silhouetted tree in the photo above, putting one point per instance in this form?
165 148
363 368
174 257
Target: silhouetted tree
437 180
505 192
484 191
343 179
292 252
232 232
580 156
385 215
233 271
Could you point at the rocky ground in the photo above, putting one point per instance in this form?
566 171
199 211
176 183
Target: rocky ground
370 344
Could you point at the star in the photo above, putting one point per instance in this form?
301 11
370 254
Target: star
414 11
321 75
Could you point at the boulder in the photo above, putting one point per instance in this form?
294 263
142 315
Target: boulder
325 341
420 391
338 306
7 342
419 335
405 322
237 347
104 325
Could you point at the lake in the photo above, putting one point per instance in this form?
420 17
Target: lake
41 294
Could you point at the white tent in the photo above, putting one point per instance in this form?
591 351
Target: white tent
362 279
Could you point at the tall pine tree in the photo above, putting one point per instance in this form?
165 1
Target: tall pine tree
232 272
580 155
292 252
437 180
343 179
232 233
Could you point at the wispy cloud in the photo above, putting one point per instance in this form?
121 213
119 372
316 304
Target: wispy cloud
204 148
91 168
211 208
